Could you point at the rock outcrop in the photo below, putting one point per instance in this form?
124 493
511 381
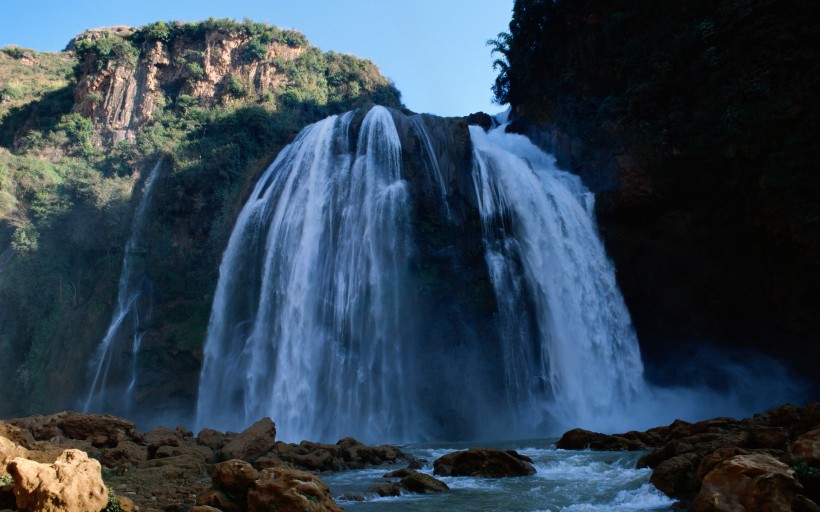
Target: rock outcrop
73 483
723 463
747 483
484 463
171 469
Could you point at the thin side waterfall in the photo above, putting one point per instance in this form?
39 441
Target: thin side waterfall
115 363
310 308
569 348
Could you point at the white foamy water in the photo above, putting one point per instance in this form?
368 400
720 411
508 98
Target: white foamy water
566 481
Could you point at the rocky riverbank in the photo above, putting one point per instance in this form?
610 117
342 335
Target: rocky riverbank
79 462
770 461
169 469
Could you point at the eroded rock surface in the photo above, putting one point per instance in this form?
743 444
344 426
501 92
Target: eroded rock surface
484 463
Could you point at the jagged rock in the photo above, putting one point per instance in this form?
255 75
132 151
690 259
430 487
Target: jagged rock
676 476
483 462
127 452
290 490
580 439
102 430
211 438
160 437
747 483
73 483
253 442
9 451
806 448
234 476
711 460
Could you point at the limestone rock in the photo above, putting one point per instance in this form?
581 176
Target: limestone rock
748 483
290 490
234 476
677 476
253 442
806 448
483 462
73 483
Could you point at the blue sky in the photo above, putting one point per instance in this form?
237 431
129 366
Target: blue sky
434 50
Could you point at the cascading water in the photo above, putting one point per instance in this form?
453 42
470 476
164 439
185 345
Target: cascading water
577 358
369 289
115 364
309 310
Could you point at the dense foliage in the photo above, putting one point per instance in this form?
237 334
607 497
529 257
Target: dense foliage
66 199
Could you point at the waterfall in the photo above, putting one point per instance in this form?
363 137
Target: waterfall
370 289
310 308
577 358
115 363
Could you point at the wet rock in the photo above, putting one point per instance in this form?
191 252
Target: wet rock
399 473
253 442
351 497
580 439
290 490
748 482
386 490
481 119
677 476
73 483
420 483
483 462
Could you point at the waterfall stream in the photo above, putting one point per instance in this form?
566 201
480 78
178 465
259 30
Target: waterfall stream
323 316
115 363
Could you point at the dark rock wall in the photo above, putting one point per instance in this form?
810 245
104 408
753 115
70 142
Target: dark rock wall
696 124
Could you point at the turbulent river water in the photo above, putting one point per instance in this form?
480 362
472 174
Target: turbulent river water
566 481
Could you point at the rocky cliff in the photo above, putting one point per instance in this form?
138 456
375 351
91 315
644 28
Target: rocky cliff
214 102
696 124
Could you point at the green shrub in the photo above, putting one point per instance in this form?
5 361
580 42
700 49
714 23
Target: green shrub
15 52
236 88
159 31
195 71
255 49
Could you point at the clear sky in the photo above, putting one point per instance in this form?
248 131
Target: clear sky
434 50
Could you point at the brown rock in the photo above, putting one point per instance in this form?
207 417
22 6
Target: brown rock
676 476
709 462
234 476
204 508
386 490
73 483
776 438
127 452
483 462
219 500
580 439
255 441
806 448
747 483
290 490
420 483
211 438
399 473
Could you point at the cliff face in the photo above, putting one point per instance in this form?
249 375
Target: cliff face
125 95
697 127
214 102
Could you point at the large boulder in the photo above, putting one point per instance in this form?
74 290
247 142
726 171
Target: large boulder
73 483
580 439
234 476
483 462
676 476
806 448
290 490
746 483
253 442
